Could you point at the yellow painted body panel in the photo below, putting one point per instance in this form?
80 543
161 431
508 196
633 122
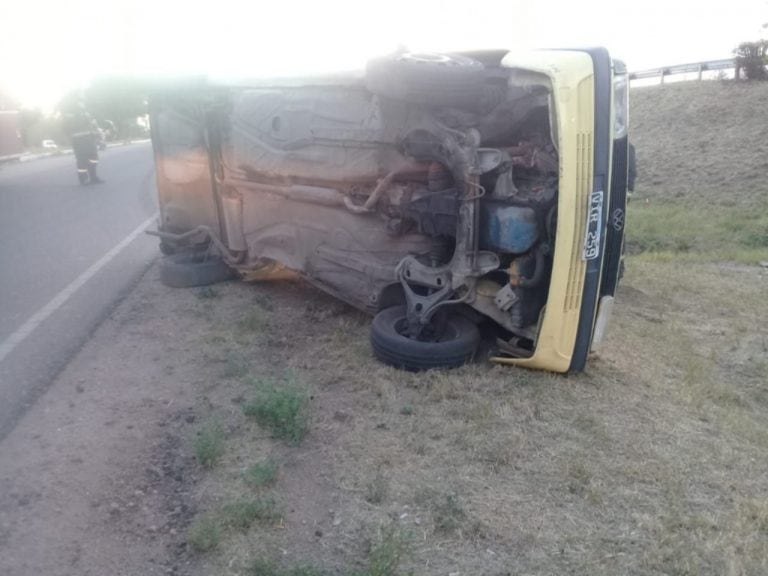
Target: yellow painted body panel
572 80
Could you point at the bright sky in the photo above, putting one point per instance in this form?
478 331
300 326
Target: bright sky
50 46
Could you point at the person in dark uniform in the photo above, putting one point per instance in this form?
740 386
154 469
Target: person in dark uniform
84 133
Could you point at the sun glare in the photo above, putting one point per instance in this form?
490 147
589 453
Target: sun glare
51 47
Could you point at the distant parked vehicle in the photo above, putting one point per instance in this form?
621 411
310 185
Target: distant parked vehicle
50 145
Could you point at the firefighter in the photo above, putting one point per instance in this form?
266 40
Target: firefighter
84 133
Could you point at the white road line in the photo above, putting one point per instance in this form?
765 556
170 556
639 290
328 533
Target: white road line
41 315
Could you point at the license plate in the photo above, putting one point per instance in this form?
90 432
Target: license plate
594 227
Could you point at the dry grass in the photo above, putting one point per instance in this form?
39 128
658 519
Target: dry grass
652 462
701 142
702 166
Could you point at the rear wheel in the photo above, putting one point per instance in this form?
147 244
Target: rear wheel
449 346
188 269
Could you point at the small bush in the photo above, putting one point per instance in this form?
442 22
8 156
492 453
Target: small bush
253 321
209 445
282 409
386 555
241 515
751 57
204 535
262 473
262 567
448 514
377 489
384 560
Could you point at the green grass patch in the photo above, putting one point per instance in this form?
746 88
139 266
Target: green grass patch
749 256
264 301
714 232
387 553
262 473
255 320
448 513
204 534
383 560
282 408
209 445
263 567
377 489
242 514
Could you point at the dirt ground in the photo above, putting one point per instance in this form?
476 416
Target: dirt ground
652 462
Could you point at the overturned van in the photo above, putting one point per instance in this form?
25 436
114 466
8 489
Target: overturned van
442 193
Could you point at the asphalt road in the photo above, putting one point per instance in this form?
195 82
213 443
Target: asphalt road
68 253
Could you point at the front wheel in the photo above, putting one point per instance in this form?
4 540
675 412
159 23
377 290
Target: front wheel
453 346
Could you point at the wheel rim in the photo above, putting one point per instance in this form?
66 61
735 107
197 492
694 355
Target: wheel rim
430 332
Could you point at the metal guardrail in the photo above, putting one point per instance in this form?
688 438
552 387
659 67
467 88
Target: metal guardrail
695 67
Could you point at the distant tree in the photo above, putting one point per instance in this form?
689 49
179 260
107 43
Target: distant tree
119 101
70 102
752 57
29 121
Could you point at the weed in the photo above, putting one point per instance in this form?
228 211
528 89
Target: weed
209 445
498 451
579 477
386 555
242 514
407 410
263 567
284 409
262 473
377 489
204 534
253 321
383 560
448 513
265 301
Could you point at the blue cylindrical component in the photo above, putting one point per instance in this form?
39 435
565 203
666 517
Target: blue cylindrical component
509 229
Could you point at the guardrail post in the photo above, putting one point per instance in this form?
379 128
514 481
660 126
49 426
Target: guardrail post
700 69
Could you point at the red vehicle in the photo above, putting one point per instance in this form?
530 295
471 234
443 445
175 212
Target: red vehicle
10 135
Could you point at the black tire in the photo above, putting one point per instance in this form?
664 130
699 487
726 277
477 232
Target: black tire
166 248
189 269
435 79
457 347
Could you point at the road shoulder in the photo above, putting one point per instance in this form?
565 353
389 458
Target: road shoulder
92 476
